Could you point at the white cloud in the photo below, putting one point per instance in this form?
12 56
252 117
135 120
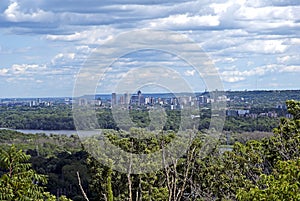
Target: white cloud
92 36
295 41
284 59
289 59
84 49
233 78
220 8
70 37
236 75
224 60
190 72
24 68
237 34
63 58
185 21
13 13
19 79
3 71
265 13
290 69
262 46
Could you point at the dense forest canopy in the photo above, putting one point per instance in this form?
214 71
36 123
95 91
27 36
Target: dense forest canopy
254 168
60 118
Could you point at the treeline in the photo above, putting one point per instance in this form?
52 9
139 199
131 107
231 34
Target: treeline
61 118
40 118
247 124
266 169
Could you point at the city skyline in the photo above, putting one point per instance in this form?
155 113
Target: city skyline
254 45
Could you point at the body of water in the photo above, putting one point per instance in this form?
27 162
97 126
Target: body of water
57 132
47 132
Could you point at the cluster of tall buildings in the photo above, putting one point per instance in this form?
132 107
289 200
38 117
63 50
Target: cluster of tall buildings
28 102
175 102
127 99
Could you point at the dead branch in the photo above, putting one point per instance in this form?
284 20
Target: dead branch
80 186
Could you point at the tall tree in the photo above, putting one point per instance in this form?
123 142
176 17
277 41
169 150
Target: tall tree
20 182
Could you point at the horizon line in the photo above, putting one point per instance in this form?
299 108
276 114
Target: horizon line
149 93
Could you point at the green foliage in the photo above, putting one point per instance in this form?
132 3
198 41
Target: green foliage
294 108
43 118
264 169
57 156
282 184
220 176
60 118
285 144
110 196
242 173
40 144
19 182
240 124
247 171
281 152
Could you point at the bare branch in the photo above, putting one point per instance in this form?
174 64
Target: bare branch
80 186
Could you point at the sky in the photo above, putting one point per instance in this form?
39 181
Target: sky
46 46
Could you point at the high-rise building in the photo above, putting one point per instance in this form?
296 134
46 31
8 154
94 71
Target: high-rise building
113 99
121 100
138 99
126 99
139 93
82 101
202 99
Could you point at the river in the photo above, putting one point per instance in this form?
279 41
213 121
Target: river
57 132
47 132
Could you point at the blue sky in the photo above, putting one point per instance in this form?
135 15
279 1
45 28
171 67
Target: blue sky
44 44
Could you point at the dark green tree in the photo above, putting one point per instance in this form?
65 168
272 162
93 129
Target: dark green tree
282 184
20 182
